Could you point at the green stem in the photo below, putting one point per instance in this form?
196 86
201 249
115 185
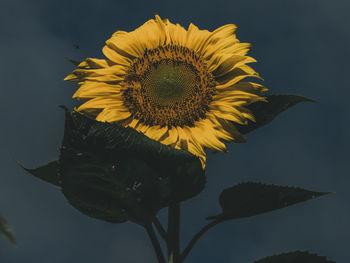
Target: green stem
160 229
155 243
196 238
174 233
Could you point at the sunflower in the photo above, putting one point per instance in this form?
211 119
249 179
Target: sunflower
180 87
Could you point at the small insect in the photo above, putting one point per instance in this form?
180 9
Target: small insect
76 46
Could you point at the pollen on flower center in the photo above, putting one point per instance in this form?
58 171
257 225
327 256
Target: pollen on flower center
169 86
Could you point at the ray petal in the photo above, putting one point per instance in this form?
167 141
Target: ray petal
85 92
175 33
197 39
151 34
126 44
112 115
231 129
182 142
222 64
156 132
94 63
142 127
172 137
205 135
102 102
114 56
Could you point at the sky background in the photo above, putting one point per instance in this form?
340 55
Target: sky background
302 47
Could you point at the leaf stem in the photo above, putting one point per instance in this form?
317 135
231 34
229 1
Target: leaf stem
155 243
174 233
160 229
197 236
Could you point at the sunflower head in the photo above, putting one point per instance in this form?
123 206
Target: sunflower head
180 87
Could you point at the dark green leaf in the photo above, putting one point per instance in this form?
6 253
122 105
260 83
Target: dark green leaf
47 172
265 112
6 230
249 199
117 174
295 257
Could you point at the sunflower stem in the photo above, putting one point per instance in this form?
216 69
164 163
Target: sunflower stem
197 237
152 235
160 229
174 233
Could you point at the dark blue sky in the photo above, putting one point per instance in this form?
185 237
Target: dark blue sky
302 47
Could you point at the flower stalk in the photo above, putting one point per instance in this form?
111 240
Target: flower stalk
174 233
172 236
162 232
197 237
155 243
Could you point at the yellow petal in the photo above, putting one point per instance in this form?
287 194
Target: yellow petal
133 123
94 63
71 77
234 94
224 32
114 56
230 116
86 92
233 81
231 129
126 44
194 146
231 64
171 138
227 108
103 74
142 127
151 34
220 65
156 132
196 39
112 115
220 132
176 34
222 46
104 78
206 136
109 70
250 87
119 70
102 102
182 142
196 149
238 49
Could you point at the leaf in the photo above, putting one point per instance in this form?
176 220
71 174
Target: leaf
6 230
116 174
250 199
47 172
295 257
265 112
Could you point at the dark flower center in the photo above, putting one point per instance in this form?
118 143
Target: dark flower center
168 86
